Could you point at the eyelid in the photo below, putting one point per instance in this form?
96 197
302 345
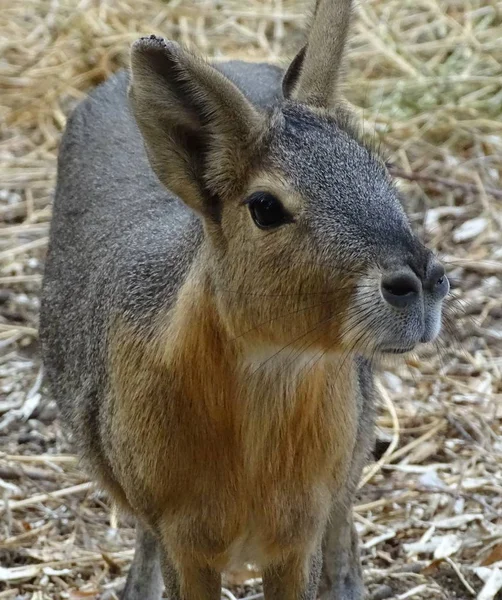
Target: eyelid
246 201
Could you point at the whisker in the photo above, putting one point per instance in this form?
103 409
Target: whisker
300 294
289 344
281 316
366 305
345 355
364 334
343 277
322 322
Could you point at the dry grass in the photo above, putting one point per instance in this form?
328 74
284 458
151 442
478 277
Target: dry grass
427 76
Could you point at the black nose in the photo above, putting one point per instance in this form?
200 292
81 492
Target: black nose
400 288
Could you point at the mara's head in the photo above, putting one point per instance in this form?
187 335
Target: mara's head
306 241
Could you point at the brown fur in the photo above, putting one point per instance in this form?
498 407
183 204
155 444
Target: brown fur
197 431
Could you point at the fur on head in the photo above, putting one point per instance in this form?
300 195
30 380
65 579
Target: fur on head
306 241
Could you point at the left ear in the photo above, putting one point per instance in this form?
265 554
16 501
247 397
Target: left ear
198 127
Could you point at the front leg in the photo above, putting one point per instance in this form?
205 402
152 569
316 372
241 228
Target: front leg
186 579
341 577
296 578
144 581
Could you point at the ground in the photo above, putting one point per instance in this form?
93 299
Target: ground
426 77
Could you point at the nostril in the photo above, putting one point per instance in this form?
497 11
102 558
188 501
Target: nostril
401 284
441 287
400 289
437 282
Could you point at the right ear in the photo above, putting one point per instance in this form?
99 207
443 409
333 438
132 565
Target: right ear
199 129
313 76
292 74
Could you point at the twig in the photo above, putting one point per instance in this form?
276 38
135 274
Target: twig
27 535
410 593
36 384
9 593
40 498
458 494
11 473
35 244
384 502
446 182
31 571
9 279
395 436
22 328
228 594
464 581
416 442
483 267
67 459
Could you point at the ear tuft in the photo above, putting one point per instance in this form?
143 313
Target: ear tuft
156 54
153 45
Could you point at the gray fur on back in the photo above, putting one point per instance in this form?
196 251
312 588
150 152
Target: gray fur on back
120 242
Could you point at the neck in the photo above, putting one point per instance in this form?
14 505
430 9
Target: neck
269 399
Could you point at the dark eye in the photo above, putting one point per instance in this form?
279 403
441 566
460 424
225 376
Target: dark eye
267 211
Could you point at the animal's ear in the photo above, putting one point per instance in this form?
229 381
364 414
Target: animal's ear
318 69
292 74
199 129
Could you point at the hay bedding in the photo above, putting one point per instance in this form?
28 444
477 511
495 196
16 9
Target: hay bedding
427 77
